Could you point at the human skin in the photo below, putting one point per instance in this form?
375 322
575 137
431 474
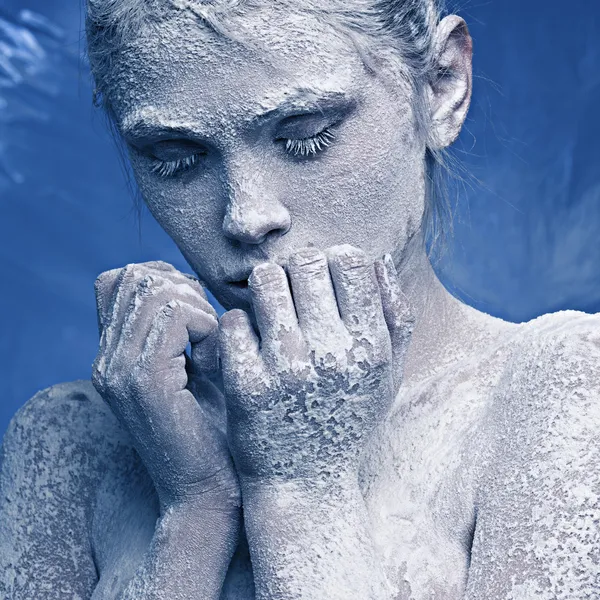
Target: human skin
420 500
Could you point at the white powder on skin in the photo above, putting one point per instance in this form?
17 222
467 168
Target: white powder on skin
471 441
486 468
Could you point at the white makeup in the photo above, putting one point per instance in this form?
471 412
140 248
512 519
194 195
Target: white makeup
245 156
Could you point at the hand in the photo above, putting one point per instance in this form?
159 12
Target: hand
303 403
147 314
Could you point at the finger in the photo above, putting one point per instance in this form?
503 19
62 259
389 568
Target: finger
205 355
115 289
281 338
135 347
159 265
170 272
120 301
207 392
396 308
104 287
149 298
239 352
173 326
397 312
123 337
314 297
356 289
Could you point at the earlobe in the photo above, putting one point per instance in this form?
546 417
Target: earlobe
450 85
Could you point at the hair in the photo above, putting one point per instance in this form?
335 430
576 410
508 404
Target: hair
403 28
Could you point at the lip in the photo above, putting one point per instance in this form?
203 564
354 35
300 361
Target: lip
239 280
239 293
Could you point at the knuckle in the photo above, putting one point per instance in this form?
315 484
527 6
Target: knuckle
129 270
188 292
103 288
162 284
147 285
136 272
193 294
308 259
139 380
171 308
196 285
121 279
106 377
121 375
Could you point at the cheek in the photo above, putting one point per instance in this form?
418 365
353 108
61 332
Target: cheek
186 207
366 190
390 159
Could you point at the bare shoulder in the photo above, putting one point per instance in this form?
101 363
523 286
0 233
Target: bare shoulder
66 428
551 387
54 454
538 502
557 361
551 399
561 326
76 399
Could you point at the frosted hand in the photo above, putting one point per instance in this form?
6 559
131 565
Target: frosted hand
147 315
304 403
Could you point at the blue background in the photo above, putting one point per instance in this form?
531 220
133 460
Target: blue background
527 218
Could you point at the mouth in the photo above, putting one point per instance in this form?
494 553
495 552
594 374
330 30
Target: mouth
239 280
240 285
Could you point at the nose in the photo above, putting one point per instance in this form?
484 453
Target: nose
253 212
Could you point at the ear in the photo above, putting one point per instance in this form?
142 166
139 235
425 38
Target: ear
451 83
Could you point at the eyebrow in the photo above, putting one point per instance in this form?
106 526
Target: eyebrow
152 121
304 100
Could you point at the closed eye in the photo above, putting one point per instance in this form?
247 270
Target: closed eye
308 134
172 157
301 147
170 168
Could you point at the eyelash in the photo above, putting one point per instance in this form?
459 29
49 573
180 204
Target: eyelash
309 146
170 168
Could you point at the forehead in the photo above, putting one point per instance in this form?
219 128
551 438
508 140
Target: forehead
184 71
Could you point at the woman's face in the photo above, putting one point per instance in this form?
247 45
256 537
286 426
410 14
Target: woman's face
244 156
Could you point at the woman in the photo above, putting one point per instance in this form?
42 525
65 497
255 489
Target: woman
384 439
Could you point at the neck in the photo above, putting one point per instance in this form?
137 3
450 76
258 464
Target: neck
443 324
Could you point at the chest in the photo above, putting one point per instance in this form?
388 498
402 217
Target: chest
418 483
